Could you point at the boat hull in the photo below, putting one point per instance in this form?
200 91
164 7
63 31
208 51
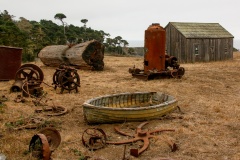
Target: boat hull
127 107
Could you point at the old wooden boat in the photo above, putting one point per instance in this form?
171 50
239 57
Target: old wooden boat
126 107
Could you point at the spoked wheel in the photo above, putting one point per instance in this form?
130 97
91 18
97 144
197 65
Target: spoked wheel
69 80
27 73
36 68
94 138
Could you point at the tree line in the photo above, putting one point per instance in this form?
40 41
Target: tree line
32 36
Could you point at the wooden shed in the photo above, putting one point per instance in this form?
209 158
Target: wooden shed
198 42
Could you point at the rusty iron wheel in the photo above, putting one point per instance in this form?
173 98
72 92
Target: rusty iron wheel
39 147
36 68
94 138
69 80
26 73
53 137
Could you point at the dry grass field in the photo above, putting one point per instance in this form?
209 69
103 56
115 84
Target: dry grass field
207 128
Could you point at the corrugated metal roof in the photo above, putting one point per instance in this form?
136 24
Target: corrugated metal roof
202 30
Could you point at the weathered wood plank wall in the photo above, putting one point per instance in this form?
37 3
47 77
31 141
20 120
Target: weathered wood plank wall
209 49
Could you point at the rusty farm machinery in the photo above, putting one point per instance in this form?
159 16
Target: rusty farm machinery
67 78
157 64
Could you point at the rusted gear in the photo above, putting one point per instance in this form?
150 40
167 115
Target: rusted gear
36 68
94 138
39 147
144 136
53 137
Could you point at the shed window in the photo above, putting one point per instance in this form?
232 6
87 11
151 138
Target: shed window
196 49
212 49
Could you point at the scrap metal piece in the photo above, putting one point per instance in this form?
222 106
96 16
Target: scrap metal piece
56 110
32 88
28 123
94 138
53 137
17 86
19 99
39 147
142 135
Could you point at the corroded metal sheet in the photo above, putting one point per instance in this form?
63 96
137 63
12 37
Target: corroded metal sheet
10 61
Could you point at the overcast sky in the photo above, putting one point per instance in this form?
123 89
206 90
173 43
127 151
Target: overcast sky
129 18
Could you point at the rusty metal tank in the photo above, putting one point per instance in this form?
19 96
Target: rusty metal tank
10 61
154 44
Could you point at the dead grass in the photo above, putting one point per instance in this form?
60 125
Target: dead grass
208 95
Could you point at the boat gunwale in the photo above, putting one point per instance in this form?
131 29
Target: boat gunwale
100 107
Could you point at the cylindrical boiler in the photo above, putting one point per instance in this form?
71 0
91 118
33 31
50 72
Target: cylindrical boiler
154 44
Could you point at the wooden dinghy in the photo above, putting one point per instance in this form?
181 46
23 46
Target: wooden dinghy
126 107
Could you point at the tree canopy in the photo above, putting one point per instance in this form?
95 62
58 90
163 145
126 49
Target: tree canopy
32 36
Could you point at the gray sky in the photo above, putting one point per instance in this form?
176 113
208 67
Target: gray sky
129 18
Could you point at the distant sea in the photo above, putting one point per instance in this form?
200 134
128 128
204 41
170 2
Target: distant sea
136 43
236 44
140 43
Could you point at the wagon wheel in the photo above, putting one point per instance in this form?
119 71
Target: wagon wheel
26 73
69 80
36 68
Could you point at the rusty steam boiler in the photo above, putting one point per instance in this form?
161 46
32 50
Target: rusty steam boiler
157 64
